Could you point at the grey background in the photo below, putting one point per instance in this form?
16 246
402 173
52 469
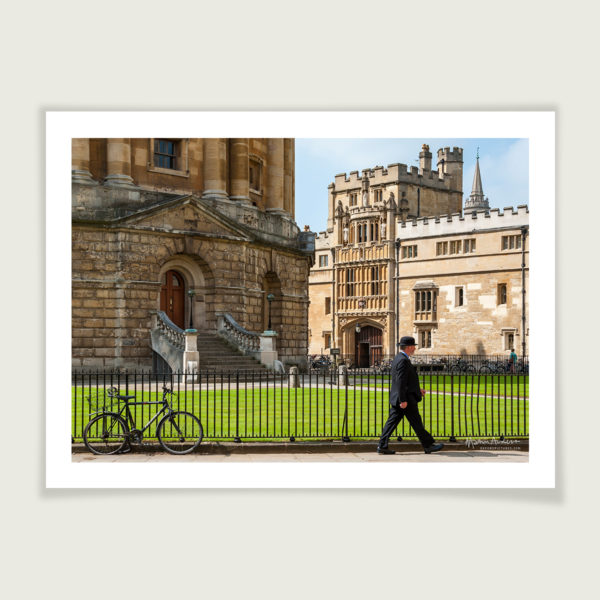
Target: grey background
318 55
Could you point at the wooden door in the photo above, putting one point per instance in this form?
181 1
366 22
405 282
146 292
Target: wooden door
368 346
363 355
172 297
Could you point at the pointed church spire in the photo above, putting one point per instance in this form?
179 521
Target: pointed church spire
476 200
477 189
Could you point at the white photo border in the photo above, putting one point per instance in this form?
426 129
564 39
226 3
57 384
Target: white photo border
537 127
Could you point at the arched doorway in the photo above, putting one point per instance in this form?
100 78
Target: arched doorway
172 297
193 275
368 349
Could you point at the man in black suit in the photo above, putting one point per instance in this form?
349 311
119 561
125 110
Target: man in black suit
405 395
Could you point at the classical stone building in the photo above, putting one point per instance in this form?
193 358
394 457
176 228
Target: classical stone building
170 234
399 257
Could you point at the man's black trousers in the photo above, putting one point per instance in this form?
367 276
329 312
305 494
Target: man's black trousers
411 412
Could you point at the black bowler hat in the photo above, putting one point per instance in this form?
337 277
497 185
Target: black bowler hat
407 341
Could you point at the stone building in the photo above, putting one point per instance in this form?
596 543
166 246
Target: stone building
400 258
170 234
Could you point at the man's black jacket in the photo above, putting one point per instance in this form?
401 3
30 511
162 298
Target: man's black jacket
405 381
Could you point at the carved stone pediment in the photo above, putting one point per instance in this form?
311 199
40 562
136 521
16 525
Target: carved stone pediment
184 215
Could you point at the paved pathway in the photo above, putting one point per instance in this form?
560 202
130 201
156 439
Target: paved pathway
461 456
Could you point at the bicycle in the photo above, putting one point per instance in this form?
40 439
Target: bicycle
109 432
461 365
322 363
383 367
490 366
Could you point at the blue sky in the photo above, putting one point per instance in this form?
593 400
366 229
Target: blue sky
504 165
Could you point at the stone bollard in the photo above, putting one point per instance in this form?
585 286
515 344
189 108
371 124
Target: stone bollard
268 351
191 371
294 377
342 375
191 356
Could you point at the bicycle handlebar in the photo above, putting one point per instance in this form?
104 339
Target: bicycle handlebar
113 391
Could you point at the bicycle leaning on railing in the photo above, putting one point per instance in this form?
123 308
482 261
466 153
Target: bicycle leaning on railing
113 431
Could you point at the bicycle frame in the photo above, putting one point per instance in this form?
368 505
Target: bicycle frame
125 411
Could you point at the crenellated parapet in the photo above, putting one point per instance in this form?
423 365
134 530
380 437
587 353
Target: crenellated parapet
393 174
323 241
399 189
447 155
458 223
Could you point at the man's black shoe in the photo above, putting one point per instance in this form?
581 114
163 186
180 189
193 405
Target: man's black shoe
433 448
385 451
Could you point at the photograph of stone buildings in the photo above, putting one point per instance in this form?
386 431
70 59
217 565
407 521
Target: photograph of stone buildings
192 280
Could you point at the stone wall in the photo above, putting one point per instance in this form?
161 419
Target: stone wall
117 281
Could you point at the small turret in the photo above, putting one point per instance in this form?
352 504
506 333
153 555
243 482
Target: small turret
450 165
331 204
365 187
425 158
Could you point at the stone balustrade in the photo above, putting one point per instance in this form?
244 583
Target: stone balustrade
175 335
259 345
247 341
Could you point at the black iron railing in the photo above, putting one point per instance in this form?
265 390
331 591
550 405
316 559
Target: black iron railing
266 406
479 363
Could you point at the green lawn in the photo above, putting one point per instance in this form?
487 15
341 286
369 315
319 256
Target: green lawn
276 412
480 384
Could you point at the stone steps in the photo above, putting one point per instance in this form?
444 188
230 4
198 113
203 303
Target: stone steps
214 354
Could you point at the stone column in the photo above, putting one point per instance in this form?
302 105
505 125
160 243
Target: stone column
331 205
215 157
293 166
239 173
391 222
118 163
80 161
275 183
288 187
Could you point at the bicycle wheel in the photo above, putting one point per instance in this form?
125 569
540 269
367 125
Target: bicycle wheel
179 432
106 434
